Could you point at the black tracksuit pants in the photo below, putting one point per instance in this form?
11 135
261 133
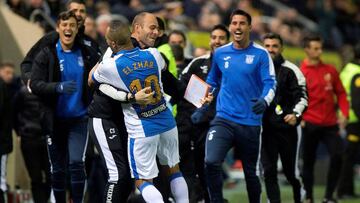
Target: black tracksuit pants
112 147
329 135
283 142
351 154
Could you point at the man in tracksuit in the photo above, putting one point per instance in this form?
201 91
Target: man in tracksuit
59 77
320 119
280 134
243 72
350 78
192 137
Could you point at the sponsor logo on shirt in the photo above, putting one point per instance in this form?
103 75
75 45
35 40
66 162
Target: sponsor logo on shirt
227 58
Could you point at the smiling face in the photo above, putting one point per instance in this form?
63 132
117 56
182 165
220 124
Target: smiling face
218 38
67 30
79 10
146 31
240 31
273 46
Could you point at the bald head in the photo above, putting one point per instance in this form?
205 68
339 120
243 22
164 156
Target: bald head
145 29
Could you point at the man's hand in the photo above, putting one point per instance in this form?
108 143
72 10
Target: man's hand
199 115
259 105
290 119
67 87
144 96
342 121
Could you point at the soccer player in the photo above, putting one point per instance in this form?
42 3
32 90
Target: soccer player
58 77
151 127
280 136
243 73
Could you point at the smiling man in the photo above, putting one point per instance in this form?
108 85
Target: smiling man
58 77
51 38
243 72
280 135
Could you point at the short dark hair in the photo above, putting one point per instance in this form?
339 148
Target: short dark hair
311 37
119 32
74 1
161 23
272 35
178 32
223 28
242 13
7 64
66 15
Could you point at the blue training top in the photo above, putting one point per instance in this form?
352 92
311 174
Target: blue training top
72 69
242 75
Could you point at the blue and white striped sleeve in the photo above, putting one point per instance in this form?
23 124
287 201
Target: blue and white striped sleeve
267 77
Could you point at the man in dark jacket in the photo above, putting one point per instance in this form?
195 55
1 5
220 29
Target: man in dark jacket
5 135
280 134
59 77
79 8
28 126
192 137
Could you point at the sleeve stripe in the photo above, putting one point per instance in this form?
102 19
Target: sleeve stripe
186 69
303 103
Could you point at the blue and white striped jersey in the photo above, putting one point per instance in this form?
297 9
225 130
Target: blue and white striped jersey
133 70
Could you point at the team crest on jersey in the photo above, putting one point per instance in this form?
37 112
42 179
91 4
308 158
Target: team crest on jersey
80 61
249 59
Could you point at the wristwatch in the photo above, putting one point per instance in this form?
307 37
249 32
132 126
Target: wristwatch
131 98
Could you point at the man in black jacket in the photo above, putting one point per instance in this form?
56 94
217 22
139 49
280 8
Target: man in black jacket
5 134
59 77
79 8
28 126
280 134
192 137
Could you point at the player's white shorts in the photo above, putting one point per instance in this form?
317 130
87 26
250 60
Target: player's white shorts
142 153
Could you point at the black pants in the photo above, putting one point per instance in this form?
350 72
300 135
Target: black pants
329 135
283 142
192 154
352 149
37 164
112 146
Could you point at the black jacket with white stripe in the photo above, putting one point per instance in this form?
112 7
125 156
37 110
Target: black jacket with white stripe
291 94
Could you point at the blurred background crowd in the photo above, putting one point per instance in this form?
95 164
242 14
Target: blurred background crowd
338 21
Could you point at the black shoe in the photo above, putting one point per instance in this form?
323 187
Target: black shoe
329 200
